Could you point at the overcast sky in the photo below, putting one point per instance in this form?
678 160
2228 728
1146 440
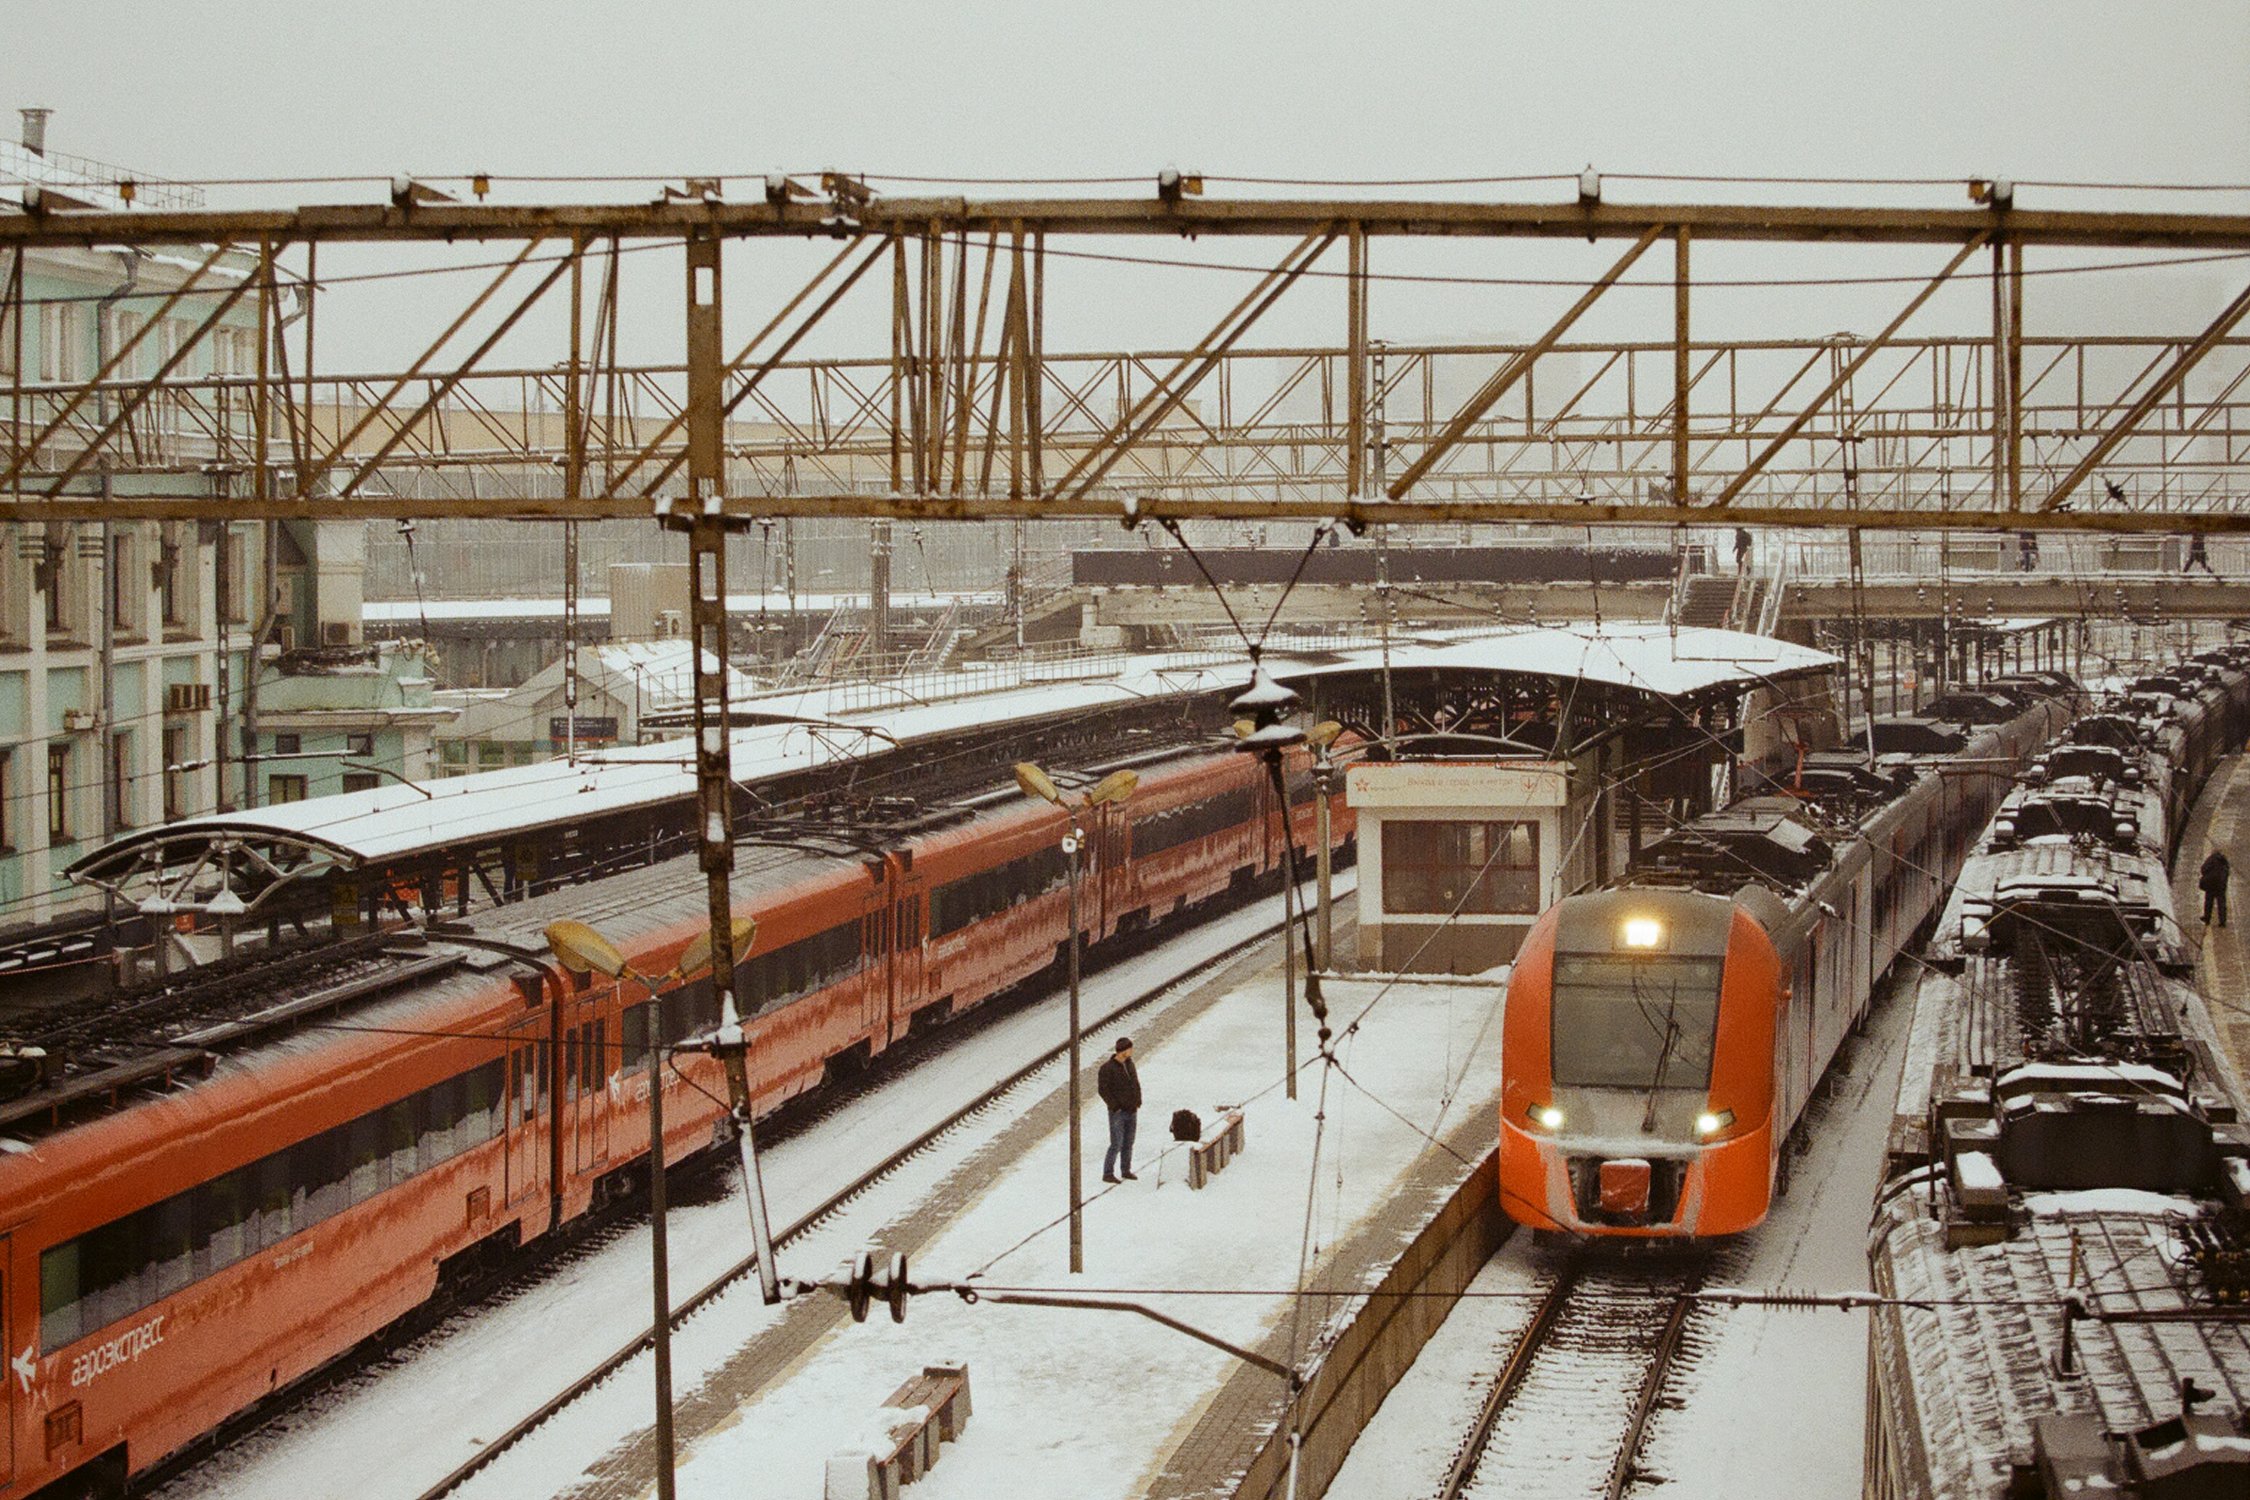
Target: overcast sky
2033 90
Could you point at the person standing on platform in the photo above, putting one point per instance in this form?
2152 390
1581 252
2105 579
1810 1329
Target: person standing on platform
1119 1084
2213 883
1742 545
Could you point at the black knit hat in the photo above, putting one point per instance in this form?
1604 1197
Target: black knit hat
1124 1044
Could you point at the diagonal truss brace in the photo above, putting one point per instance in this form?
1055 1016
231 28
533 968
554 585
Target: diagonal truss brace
1505 378
1166 395
2189 358
1843 377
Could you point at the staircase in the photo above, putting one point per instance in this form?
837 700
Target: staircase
1704 599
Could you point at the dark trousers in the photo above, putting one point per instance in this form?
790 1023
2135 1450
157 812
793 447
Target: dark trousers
1122 1124
2215 900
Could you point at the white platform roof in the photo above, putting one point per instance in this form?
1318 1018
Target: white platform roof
828 725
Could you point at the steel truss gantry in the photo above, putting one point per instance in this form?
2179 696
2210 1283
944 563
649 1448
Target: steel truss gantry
970 414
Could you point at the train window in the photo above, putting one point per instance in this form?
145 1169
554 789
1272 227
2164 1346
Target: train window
114 1271
570 1065
370 1162
1170 827
222 1206
801 968
1637 1023
633 1051
1445 866
171 1236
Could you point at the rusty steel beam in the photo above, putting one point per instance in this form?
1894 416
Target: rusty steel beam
1504 379
747 508
1842 377
2163 386
908 217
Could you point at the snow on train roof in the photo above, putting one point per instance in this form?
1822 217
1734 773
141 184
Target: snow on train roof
815 727
1980 1331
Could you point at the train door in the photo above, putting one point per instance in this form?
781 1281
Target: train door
11 1377
878 1003
586 1066
527 1077
908 911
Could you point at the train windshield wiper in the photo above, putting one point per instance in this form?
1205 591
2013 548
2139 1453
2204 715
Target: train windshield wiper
1663 1055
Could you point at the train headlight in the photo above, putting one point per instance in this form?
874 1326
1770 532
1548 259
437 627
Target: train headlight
1711 1122
1546 1116
1643 933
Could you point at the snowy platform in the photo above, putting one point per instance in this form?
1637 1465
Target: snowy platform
1330 1188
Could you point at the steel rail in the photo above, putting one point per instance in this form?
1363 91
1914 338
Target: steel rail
814 1217
1515 1375
1622 1472
1528 1344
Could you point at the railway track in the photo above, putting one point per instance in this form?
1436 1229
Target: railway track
815 1217
1592 1359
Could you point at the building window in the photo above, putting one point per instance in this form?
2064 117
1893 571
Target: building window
121 775
7 801
58 795
55 568
280 789
125 595
168 578
175 779
1486 868
235 558
359 744
288 744
58 341
361 781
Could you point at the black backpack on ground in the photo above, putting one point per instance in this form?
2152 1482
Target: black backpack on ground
1186 1125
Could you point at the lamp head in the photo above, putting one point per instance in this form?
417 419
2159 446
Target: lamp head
1037 783
696 956
1115 787
1323 734
582 950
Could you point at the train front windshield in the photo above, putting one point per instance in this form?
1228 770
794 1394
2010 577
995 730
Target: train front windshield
1641 1022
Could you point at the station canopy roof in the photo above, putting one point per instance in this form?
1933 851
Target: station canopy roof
808 729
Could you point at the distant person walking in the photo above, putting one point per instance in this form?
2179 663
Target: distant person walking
1742 549
1119 1084
2198 552
2213 883
2027 550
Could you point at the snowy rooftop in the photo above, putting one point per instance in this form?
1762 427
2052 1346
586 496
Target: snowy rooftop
831 724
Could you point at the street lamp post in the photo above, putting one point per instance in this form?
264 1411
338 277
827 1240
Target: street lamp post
581 950
1113 788
1322 738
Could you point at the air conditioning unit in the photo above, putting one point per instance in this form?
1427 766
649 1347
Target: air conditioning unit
80 720
335 633
187 697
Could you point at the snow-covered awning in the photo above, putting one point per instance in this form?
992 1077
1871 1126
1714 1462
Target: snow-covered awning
831 724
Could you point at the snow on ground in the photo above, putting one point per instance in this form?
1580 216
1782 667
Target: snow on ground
464 1385
1778 1399
1771 1400
1082 1403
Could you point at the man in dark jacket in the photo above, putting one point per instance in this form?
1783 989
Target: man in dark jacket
2213 881
1119 1084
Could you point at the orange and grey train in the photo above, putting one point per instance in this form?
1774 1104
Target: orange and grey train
1662 1036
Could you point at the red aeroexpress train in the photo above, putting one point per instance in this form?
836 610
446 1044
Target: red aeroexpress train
173 1253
